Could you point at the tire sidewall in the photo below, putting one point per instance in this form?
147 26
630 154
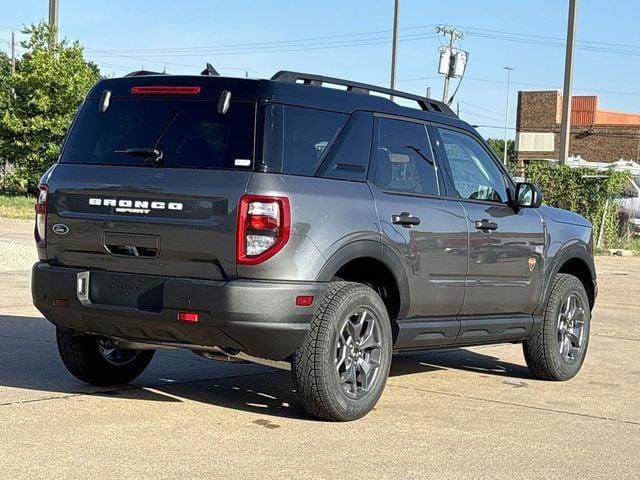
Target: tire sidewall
565 370
352 408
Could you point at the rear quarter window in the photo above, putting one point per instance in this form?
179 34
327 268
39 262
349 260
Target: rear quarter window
297 138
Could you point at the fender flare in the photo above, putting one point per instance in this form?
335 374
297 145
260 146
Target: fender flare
578 250
377 251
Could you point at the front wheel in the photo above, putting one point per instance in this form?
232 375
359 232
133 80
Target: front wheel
341 369
558 349
91 360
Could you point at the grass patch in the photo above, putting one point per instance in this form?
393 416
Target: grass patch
624 243
16 207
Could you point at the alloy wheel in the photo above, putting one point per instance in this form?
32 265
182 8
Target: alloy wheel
358 353
571 328
116 356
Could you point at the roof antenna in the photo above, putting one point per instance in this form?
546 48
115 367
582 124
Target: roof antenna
210 71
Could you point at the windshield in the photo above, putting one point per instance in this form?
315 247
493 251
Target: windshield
188 133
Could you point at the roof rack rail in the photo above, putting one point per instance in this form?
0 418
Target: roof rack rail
426 104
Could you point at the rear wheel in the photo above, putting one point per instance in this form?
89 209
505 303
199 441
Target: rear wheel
558 349
341 369
93 361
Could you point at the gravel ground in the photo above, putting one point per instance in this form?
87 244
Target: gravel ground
17 247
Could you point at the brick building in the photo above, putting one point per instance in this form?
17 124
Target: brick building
596 135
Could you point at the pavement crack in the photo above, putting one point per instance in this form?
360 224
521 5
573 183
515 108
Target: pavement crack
520 405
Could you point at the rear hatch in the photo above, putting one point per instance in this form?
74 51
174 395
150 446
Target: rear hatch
150 177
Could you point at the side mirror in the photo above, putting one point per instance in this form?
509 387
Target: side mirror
528 195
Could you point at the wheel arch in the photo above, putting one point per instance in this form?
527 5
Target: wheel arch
574 260
371 263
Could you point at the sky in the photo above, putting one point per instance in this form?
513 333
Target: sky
352 39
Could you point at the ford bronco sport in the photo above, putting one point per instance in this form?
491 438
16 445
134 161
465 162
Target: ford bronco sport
287 221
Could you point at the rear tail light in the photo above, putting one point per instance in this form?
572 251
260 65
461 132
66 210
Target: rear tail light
264 226
42 207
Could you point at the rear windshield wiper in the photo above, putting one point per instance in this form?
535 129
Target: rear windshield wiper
154 153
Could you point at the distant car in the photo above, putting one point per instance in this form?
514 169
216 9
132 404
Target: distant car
629 202
281 220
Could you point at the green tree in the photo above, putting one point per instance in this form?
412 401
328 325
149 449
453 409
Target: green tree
37 104
498 146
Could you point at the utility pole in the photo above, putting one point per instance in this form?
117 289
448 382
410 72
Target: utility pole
54 12
565 129
394 46
13 52
454 35
506 114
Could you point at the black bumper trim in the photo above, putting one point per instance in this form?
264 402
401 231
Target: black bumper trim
256 317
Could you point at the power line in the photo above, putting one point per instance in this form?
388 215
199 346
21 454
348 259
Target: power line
278 43
287 49
473 114
546 37
479 108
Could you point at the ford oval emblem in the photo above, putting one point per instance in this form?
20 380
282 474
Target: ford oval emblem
60 229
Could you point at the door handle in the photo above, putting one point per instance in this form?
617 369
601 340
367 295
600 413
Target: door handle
405 219
485 225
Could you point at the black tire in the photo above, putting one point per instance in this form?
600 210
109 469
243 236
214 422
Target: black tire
543 352
315 369
84 359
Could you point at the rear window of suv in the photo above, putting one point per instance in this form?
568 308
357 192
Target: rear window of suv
189 133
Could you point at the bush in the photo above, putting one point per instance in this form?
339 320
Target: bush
582 190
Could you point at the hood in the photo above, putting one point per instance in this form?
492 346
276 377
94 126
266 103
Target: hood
564 216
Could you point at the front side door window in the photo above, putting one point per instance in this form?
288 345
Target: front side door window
474 173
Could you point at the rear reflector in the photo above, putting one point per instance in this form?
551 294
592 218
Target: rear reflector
188 317
304 300
165 90
60 302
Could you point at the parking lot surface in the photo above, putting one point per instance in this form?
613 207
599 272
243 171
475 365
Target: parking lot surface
456 413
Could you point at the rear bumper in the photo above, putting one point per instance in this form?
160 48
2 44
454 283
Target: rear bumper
256 317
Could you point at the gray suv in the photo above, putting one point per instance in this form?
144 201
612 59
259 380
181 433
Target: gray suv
322 229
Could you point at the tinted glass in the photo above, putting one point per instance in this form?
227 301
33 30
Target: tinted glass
295 138
348 159
189 133
475 174
404 160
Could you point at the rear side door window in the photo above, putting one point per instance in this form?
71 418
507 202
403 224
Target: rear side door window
404 158
474 173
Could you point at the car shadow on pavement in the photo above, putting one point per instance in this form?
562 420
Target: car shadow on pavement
457 359
32 370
